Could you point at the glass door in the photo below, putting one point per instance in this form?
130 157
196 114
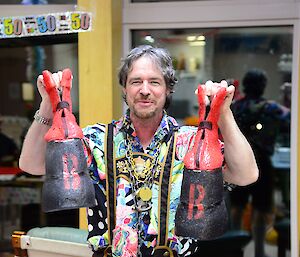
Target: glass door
201 54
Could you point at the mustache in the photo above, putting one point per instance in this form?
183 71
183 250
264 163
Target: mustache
145 98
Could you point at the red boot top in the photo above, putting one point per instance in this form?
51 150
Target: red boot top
206 151
64 124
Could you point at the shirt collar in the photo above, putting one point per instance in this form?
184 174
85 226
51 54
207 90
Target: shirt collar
167 125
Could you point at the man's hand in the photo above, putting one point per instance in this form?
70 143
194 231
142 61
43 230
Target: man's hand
56 77
46 107
211 89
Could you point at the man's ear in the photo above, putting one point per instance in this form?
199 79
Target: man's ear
168 92
124 94
124 90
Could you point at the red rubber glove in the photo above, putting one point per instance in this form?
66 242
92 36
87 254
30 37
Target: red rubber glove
64 124
206 151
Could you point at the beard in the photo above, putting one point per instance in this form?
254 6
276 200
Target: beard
143 114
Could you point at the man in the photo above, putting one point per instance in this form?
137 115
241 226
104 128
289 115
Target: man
142 152
260 120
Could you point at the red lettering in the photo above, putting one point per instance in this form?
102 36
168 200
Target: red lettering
191 201
70 166
196 202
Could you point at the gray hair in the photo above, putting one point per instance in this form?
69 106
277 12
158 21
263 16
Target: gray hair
159 55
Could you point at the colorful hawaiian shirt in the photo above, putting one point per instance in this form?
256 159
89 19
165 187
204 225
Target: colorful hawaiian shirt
126 216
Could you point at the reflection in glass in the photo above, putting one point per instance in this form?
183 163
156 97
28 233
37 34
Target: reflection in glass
227 54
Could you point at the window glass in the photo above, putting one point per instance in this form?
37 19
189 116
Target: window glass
228 54
223 53
21 61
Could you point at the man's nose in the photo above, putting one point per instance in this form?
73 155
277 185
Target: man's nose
145 88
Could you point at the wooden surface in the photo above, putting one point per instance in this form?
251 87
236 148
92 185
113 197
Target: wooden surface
99 56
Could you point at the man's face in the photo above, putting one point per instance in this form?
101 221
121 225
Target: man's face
145 89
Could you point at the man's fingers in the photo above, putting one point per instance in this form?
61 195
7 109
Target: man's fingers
231 89
56 79
208 88
59 73
223 83
211 88
207 101
40 81
41 86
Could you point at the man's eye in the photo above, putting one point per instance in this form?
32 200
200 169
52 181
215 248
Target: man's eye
155 83
136 82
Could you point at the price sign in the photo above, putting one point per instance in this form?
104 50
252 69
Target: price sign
45 24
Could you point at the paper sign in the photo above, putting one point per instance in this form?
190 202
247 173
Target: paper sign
44 24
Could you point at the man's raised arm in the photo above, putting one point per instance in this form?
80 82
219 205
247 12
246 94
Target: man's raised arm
32 158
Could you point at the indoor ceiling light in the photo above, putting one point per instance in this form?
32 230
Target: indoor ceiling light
201 38
149 39
197 43
191 38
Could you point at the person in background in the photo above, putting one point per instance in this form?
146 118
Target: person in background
237 92
140 139
260 120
